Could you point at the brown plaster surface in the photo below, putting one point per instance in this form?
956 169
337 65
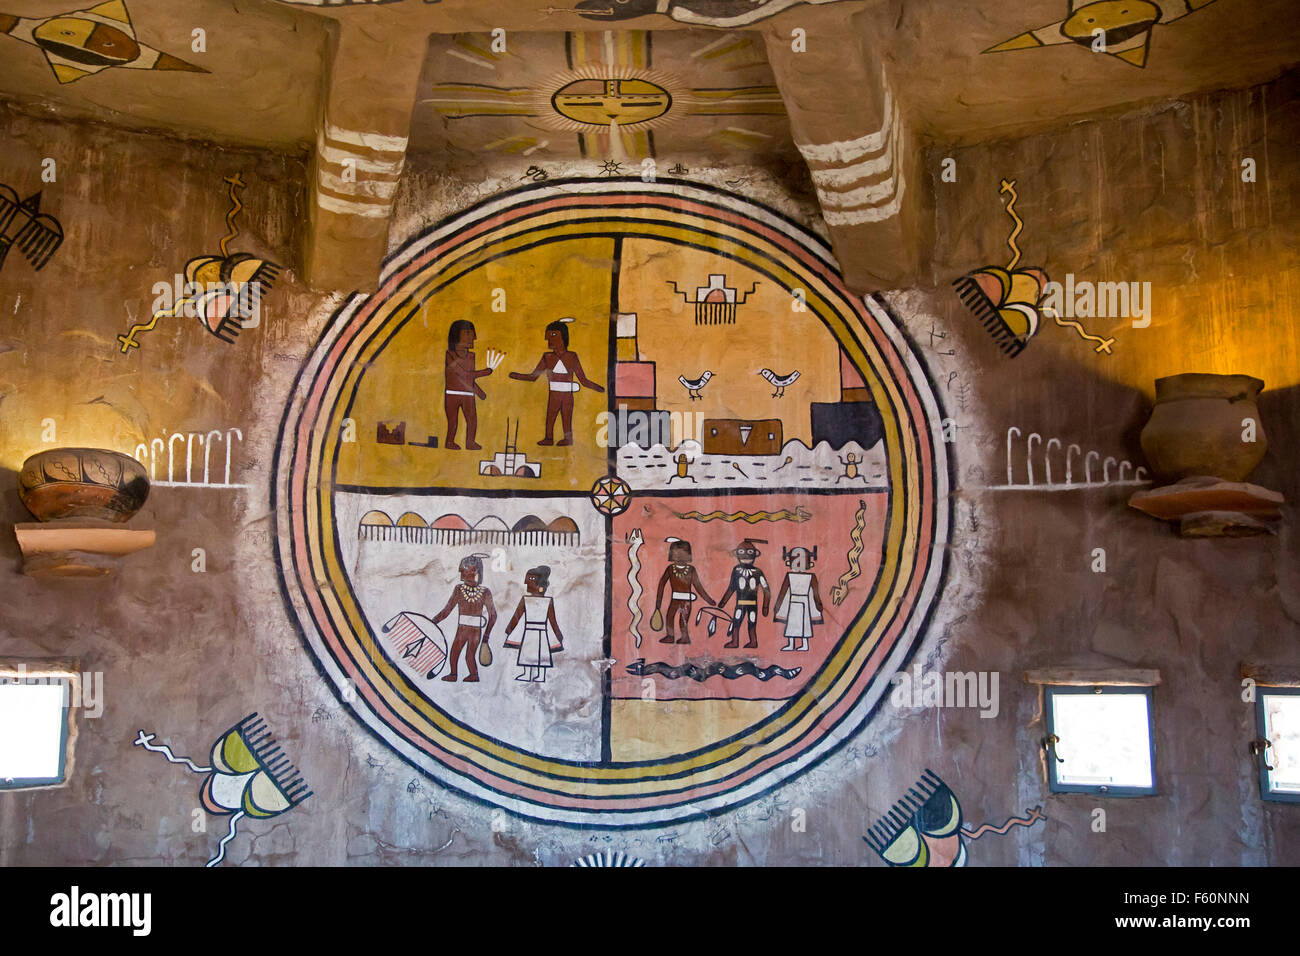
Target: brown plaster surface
185 655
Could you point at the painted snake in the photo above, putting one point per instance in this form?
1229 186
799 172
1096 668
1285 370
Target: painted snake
236 182
841 589
635 540
702 672
751 517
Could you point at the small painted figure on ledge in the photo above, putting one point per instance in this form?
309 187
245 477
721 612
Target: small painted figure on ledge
475 618
746 581
799 603
564 377
683 583
541 636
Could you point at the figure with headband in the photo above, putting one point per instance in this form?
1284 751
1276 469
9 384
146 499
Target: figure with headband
564 376
475 618
682 582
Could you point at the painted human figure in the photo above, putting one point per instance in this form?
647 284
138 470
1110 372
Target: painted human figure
799 602
475 617
541 635
462 388
683 583
850 468
746 581
564 375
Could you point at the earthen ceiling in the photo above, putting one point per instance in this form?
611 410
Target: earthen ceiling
853 90
266 60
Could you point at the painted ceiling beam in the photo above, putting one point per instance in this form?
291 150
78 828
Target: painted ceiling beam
850 126
359 154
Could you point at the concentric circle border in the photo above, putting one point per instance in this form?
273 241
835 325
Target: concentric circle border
587 795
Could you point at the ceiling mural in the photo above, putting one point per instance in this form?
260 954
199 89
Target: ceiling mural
1118 28
714 13
83 42
623 94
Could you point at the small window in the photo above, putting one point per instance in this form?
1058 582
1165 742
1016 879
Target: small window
34 721
1278 713
1101 740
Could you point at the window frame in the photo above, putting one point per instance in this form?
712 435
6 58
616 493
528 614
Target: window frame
1099 789
1262 690
46 672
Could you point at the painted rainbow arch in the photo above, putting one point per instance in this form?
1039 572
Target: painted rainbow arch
836 702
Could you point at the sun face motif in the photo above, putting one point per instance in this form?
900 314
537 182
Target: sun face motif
601 102
598 96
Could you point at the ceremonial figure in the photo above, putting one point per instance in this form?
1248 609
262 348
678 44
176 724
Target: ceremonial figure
564 376
685 584
475 617
541 635
746 581
799 603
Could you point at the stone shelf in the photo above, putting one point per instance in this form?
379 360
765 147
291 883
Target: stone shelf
77 549
1207 507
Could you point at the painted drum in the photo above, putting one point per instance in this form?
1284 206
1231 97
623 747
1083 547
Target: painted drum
612 547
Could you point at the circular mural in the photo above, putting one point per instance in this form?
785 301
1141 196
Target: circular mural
612 506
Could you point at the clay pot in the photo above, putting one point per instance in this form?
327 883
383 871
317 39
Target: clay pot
81 483
1196 427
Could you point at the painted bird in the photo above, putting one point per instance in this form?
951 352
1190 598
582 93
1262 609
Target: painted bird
779 381
693 386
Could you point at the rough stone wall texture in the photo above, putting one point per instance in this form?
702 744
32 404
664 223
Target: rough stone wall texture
1154 196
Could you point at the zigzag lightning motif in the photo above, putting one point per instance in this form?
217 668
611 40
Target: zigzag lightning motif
636 539
1010 187
841 589
752 517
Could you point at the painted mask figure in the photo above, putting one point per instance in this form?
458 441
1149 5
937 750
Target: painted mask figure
745 583
799 602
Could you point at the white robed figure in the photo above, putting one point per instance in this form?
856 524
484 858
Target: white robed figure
540 636
799 603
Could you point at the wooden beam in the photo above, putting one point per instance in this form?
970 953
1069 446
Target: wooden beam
1105 677
359 155
851 127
